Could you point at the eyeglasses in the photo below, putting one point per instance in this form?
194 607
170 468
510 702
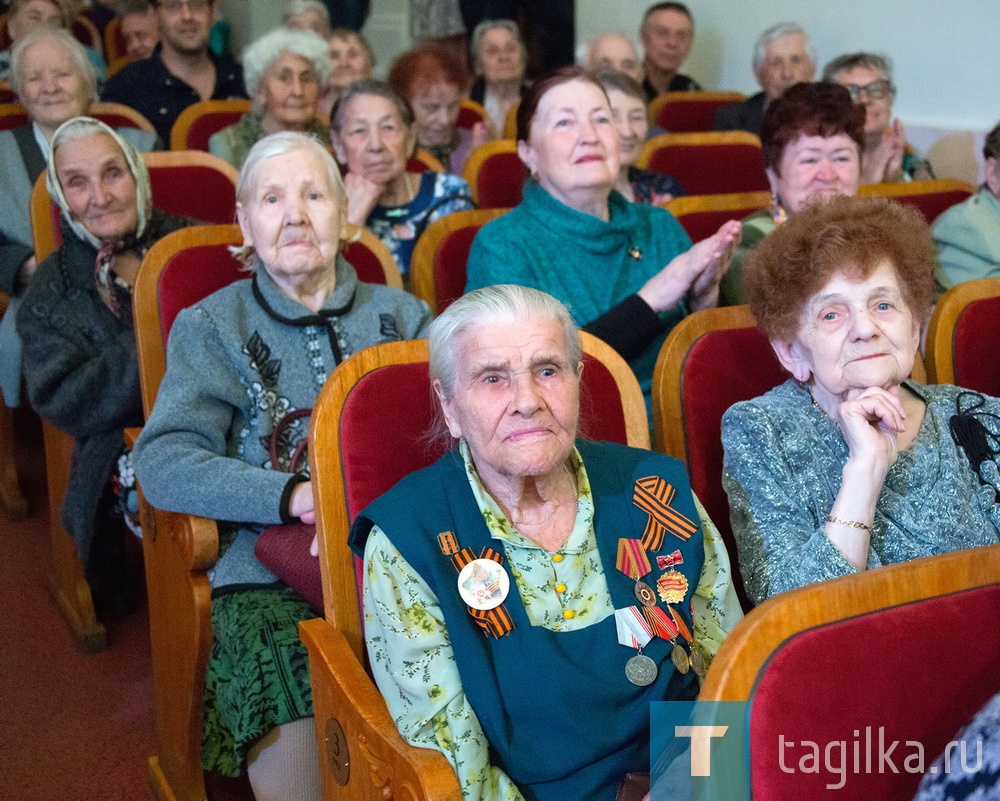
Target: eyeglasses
176 6
875 90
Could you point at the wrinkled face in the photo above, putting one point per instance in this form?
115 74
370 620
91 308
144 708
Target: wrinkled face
629 114
289 91
614 52
33 15
516 398
863 82
500 57
54 89
184 24
667 38
816 167
435 109
140 34
348 61
786 63
855 335
373 140
99 187
293 219
573 147
310 20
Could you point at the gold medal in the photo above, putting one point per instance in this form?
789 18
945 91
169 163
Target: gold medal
672 587
680 658
644 594
697 661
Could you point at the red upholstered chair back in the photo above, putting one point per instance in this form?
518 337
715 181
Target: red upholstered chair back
685 112
193 274
701 215
962 325
7 93
471 113
195 125
197 190
450 261
372 260
831 683
496 175
929 197
12 113
708 163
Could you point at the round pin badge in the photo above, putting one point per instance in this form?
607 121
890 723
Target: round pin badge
483 584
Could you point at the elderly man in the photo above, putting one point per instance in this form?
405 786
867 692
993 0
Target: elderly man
139 28
181 71
667 34
614 51
782 57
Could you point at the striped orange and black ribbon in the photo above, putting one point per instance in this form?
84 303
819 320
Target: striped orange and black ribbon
653 495
494 622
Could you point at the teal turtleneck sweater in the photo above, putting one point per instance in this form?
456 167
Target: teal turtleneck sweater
590 265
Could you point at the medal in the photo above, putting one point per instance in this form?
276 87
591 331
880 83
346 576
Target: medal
644 594
680 658
641 670
483 584
672 586
697 662
669 560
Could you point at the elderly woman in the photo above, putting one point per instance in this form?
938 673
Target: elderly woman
968 234
850 465
351 59
563 555
284 71
433 82
79 349
811 138
307 15
499 58
237 363
373 136
628 109
55 82
886 156
627 271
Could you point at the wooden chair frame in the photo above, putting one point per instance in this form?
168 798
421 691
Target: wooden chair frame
362 236
941 329
478 156
356 732
657 103
181 128
112 47
120 109
733 201
698 138
907 188
510 122
13 110
422 281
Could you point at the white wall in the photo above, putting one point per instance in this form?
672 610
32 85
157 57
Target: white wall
947 55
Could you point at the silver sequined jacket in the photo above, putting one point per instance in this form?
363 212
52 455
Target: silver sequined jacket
782 471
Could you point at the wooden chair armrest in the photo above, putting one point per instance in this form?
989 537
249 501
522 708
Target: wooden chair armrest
131 435
360 747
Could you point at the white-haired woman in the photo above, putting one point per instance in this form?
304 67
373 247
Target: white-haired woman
55 81
284 71
538 628
307 15
79 350
499 59
237 363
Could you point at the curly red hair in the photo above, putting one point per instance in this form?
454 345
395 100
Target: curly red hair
849 235
425 66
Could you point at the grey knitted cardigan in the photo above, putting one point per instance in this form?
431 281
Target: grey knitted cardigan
237 363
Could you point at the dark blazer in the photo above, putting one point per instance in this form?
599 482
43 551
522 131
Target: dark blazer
743 116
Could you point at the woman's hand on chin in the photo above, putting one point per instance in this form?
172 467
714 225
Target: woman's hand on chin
871 420
362 197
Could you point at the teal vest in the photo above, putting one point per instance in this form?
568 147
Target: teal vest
562 720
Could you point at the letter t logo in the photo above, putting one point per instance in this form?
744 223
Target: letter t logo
701 746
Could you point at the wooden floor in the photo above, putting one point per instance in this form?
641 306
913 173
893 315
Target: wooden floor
73 727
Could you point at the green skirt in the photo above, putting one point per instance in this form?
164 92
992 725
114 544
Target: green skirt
258 673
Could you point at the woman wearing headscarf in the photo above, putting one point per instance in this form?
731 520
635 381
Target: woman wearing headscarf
76 324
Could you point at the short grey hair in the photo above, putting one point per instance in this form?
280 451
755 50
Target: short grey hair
278 144
849 61
260 55
619 81
369 86
124 8
295 7
775 32
487 25
502 303
76 52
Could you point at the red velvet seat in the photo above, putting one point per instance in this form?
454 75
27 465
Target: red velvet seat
437 269
702 215
13 114
929 197
686 112
367 432
496 175
712 163
825 662
195 125
959 335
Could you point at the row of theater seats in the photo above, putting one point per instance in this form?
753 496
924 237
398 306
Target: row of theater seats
112 45
376 397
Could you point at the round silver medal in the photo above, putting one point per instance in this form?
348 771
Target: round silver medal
640 670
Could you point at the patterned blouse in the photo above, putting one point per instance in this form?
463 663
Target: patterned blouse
411 654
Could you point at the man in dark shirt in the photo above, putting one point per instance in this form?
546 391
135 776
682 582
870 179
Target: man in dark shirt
782 57
181 71
667 34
